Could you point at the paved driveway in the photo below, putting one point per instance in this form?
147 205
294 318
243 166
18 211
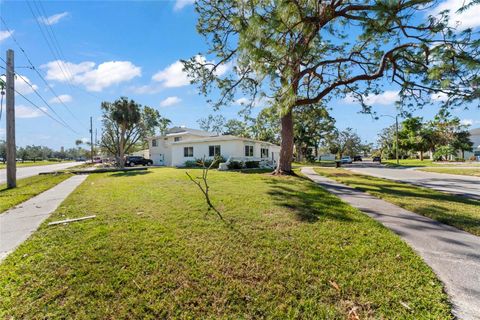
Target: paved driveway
456 184
25 172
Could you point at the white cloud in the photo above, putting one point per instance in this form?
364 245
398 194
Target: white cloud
93 79
466 19
259 101
147 89
4 35
174 76
439 97
170 101
54 19
386 98
180 4
469 122
63 98
22 111
21 86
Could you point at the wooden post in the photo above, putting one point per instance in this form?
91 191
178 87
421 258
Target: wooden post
10 104
91 139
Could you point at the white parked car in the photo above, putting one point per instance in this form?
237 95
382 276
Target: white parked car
346 159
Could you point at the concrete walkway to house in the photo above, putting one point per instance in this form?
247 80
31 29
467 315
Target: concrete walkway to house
454 255
18 223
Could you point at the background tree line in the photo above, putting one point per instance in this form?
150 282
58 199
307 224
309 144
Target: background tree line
445 137
38 153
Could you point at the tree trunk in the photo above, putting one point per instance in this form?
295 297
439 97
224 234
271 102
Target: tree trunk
121 149
463 154
421 155
284 166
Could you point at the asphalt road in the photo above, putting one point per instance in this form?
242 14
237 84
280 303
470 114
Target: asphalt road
25 172
456 184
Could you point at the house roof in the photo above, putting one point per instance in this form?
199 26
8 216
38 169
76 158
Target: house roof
221 138
178 131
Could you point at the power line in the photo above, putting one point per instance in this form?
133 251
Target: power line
57 59
43 111
38 73
53 37
44 101
58 48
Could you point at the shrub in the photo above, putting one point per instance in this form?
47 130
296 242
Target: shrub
232 165
443 153
218 159
252 164
473 158
191 164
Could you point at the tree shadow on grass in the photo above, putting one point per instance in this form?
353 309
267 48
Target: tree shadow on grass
310 205
130 173
405 191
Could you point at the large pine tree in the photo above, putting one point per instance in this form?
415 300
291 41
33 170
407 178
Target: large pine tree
304 52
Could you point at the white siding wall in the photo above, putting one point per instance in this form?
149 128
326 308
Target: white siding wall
162 153
201 149
229 148
476 146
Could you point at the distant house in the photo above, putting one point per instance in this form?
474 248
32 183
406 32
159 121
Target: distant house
180 145
475 138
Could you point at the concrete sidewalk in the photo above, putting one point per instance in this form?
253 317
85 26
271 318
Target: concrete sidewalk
454 255
18 223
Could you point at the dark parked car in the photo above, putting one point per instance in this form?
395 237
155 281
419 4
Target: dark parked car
377 159
136 160
357 158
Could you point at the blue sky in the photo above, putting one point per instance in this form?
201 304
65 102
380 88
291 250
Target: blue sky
130 48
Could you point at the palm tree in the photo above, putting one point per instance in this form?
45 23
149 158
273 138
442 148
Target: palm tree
126 114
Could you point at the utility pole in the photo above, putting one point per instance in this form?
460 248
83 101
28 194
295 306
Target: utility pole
91 139
10 103
396 138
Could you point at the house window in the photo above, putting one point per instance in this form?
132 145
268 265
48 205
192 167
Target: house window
248 151
188 152
154 142
264 152
213 151
176 139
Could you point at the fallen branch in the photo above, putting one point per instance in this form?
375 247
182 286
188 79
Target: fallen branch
70 220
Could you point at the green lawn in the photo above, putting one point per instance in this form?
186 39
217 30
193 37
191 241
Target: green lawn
457 211
323 163
461 171
27 188
426 163
31 163
293 251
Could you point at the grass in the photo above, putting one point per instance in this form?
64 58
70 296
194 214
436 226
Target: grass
459 212
31 163
322 163
461 171
27 188
292 251
426 163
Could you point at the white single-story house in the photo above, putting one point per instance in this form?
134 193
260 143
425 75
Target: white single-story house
475 138
180 145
